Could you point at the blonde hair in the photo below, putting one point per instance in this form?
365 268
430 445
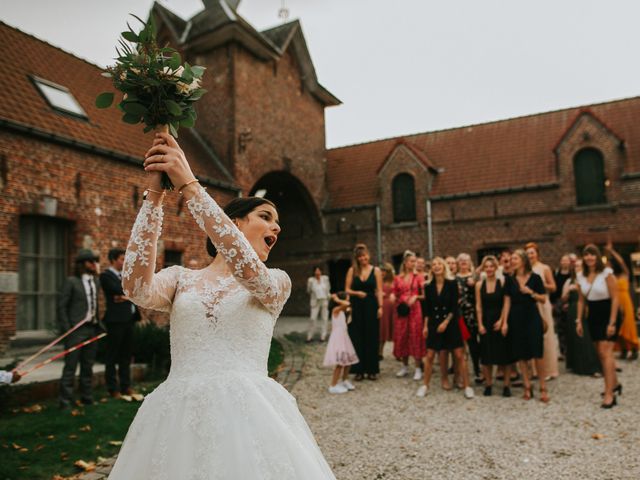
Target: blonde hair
447 273
388 272
488 259
526 263
405 255
358 250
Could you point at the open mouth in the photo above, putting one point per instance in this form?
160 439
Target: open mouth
270 241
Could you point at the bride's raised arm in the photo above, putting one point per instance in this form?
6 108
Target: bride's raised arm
270 287
140 283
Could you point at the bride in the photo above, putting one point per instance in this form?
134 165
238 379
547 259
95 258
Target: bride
218 415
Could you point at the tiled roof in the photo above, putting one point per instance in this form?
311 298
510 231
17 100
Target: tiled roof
516 152
26 56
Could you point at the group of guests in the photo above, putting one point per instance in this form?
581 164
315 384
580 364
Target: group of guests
503 313
79 304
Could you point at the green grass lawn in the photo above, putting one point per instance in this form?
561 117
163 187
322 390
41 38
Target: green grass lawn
36 446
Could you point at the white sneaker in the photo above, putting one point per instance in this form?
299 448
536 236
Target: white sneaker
468 393
422 391
348 385
403 372
418 375
338 388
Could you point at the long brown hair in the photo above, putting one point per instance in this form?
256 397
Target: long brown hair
525 260
387 273
358 250
593 250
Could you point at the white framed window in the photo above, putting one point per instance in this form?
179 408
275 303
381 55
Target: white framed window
59 97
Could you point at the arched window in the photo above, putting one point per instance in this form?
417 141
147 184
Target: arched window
404 198
588 166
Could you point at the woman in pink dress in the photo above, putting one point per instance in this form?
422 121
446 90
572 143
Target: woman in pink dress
408 324
388 306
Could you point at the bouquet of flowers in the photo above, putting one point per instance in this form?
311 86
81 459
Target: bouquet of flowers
157 89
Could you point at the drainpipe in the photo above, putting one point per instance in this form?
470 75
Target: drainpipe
378 235
432 175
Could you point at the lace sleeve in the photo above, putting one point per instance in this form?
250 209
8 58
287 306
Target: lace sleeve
139 282
270 286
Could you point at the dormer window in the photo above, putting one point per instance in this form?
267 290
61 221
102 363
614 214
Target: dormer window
59 97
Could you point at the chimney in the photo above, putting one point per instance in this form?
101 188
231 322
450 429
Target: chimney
210 3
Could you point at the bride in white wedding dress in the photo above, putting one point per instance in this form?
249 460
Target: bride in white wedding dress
218 415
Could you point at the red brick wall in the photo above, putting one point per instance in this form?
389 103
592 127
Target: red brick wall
36 168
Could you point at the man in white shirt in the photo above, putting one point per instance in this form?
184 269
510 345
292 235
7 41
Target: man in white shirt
319 290
79 302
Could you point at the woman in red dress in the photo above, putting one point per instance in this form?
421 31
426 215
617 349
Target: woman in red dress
408 324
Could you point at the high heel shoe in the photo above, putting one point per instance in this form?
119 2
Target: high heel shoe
613 403
617 389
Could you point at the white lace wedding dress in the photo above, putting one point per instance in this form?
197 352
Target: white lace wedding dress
218 415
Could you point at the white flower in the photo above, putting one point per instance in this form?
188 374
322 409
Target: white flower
173 73
182 88
194 85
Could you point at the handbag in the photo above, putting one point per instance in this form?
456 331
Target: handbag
403 309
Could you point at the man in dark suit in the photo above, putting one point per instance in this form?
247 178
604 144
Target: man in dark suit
118 319
79 302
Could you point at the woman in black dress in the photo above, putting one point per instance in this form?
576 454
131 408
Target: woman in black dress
364 285
492 306
442 329
525 328
581 356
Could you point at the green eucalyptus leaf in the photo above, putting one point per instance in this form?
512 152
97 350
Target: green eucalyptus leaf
198 71
197 94
134 108
131 118
188 122
104 100
173 108
175 61
130 36
173 128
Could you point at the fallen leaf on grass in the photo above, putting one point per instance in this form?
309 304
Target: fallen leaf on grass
86 428
23 450
16 446
597 436
86 466
137 397
57 477
126 398
101 459
73 436
64 456
115 443
38 448
75 412
51 437
104 400
32 409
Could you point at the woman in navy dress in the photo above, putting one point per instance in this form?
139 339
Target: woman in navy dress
525 328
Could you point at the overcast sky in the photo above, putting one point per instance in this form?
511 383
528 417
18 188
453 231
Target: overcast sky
407 66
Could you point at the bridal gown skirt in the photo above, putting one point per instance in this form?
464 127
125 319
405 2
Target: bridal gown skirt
231 426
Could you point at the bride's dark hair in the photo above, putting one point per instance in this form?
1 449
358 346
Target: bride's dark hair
239 208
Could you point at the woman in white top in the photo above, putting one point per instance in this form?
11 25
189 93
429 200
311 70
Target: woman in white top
598 303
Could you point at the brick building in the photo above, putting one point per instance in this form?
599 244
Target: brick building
71 177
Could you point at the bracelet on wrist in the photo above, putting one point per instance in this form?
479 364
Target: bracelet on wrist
187 184
146 193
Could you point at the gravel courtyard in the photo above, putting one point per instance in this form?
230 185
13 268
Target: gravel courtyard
383 431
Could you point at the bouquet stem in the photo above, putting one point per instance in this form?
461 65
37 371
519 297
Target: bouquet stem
165 182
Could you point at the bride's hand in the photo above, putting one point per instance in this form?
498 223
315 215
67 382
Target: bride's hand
167 156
